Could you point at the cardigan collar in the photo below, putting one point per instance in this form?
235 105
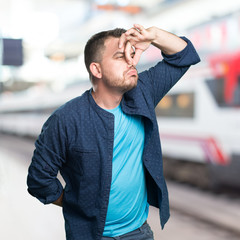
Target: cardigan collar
132 103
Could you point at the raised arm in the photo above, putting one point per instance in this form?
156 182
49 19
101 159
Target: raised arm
178 55
141 38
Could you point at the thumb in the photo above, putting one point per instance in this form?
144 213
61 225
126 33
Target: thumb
137 55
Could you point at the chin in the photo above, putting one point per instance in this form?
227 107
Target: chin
131 86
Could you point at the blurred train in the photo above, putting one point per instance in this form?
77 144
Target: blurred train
199 119
24 113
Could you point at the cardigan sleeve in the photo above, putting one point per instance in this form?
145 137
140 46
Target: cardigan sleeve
159 79
48 157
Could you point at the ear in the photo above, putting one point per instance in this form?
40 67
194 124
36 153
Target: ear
95 69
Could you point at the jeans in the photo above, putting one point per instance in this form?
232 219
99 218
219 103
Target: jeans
142 233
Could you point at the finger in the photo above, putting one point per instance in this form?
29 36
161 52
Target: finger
134 40
133 32
139 27
137 56
128 51
122 40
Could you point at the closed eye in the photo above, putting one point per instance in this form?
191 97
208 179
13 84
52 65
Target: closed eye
119 55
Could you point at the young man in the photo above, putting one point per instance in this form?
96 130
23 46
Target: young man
106 142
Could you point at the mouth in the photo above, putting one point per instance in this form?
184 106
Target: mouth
132 72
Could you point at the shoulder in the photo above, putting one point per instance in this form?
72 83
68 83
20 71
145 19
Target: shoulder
74 105
72 109
67 117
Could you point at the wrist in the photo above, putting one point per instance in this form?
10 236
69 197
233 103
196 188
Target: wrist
167 42
153 34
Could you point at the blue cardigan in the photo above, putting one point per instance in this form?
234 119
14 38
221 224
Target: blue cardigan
77 140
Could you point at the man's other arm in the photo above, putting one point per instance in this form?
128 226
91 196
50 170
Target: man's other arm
58 202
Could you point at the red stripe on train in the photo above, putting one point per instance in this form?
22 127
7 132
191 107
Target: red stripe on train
209 146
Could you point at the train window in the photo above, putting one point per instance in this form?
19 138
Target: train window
176 105
223 95
166 103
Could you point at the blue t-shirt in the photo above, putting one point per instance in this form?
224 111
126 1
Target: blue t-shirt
128 207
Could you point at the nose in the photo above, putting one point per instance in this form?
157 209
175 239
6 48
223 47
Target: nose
131 66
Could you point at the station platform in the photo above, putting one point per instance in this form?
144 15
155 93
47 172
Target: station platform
194 214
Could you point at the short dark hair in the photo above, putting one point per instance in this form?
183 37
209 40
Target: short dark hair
95 46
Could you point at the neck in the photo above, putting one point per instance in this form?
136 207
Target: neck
106 100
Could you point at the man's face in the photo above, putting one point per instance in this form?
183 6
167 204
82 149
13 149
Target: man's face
116 73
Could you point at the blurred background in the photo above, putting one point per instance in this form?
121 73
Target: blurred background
42 67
